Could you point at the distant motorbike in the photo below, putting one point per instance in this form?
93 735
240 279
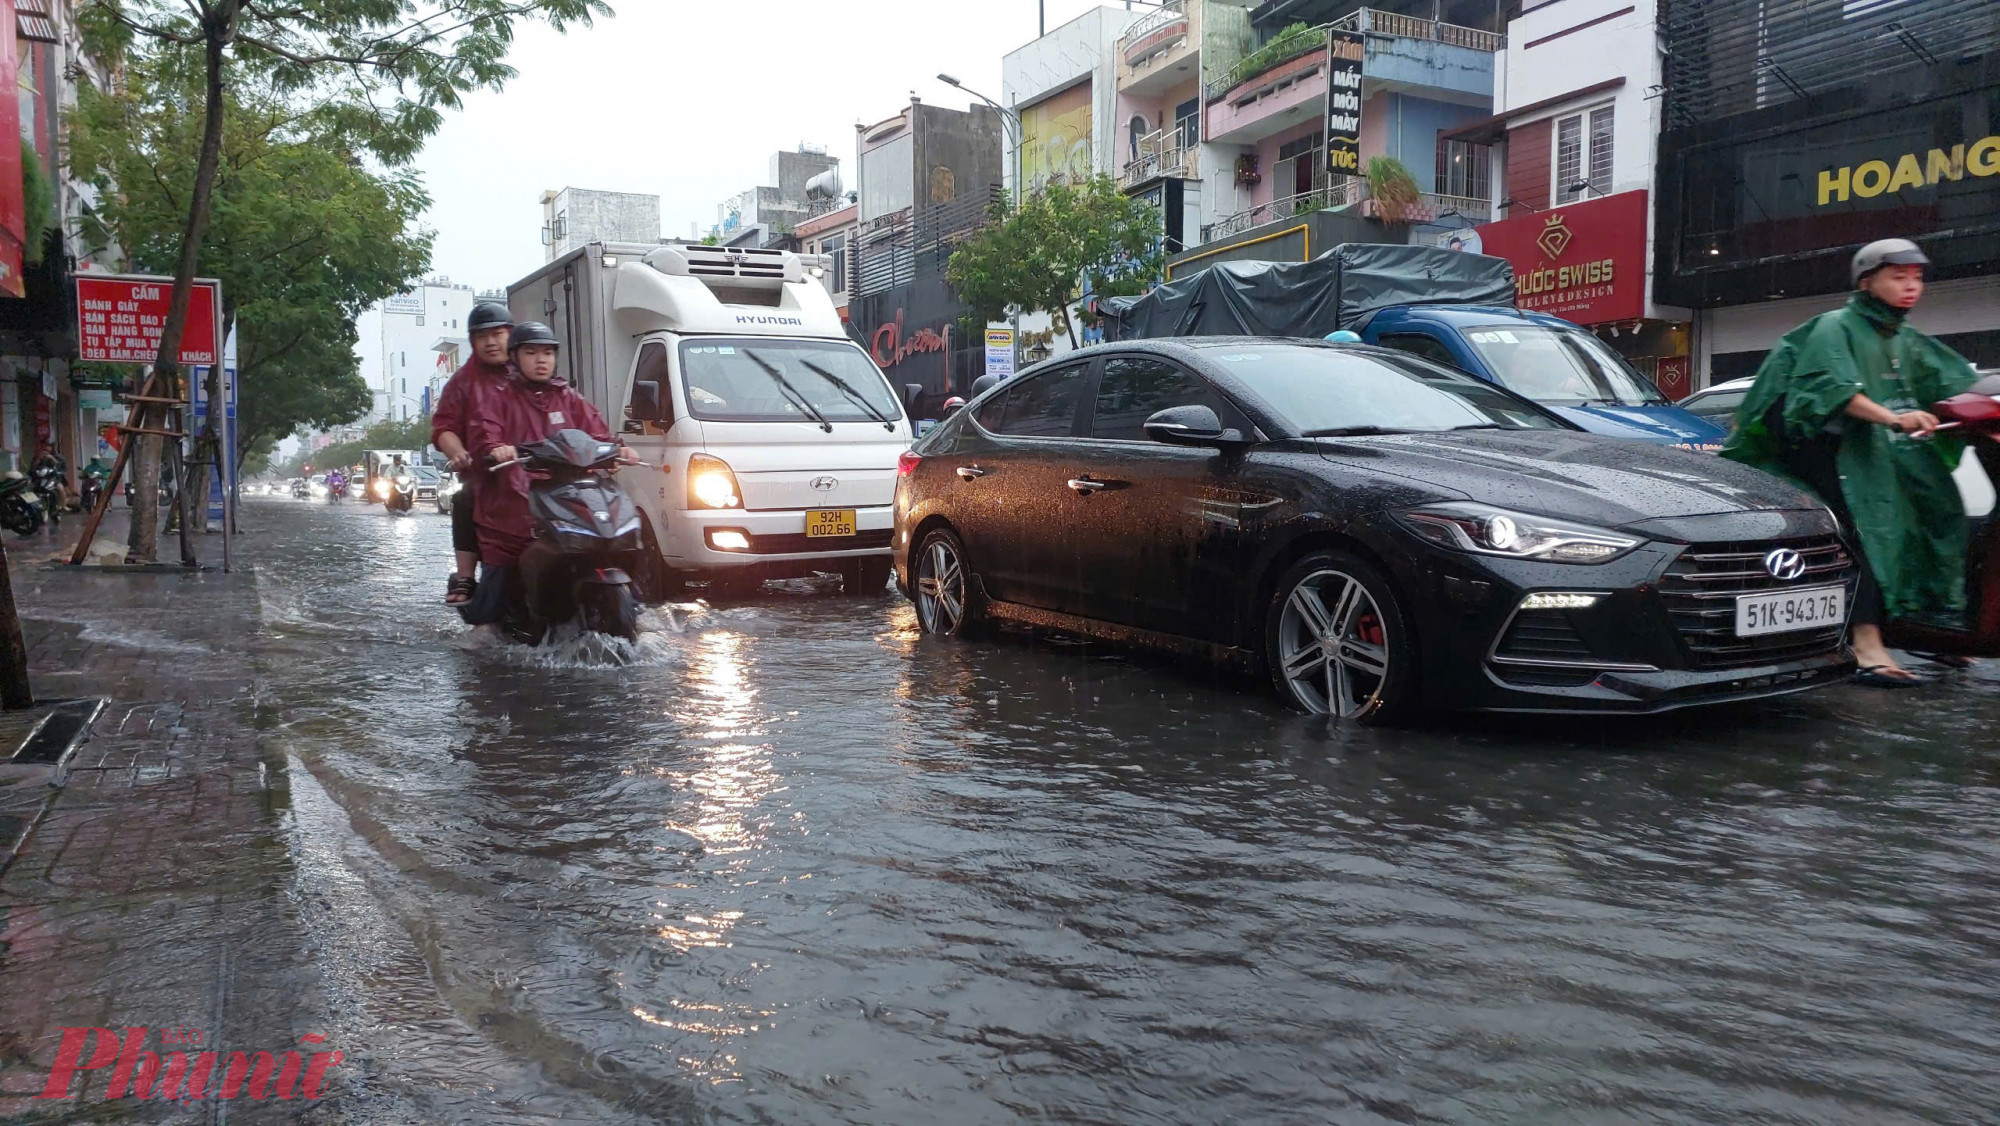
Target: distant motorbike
301 490
586 538
20 508
336 490
1975 414
401 493
89 488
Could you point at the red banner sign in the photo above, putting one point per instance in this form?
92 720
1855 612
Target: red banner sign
1672 377
1584 262
120 318
13 213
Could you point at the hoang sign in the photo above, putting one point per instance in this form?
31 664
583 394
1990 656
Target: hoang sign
1872 178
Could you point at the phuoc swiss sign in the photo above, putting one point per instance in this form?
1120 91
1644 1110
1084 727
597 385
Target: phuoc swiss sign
1343 102
1584 262
121 317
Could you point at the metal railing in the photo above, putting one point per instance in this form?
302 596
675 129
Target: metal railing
1348 190
1413 27
1168 13
1272 55
1162 153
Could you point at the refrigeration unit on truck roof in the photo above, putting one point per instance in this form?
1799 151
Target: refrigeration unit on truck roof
727 290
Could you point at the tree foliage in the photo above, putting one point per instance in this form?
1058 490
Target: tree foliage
1063 238
414 434
302 234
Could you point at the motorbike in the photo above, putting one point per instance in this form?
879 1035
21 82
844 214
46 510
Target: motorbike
20 508
1976 414
48 483
586 537
336 490
89 488
447 492
400 492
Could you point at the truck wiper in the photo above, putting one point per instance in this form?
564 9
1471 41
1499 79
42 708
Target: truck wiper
848 390
792 394
1482 426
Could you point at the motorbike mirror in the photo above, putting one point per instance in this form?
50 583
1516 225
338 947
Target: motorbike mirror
645 401
1987 385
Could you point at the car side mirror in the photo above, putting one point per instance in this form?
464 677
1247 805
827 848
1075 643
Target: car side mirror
1190 426
911 393
645 401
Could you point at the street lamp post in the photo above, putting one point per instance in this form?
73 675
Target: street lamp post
1008 117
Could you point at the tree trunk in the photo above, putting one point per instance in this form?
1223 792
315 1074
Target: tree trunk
218 27
1069 325
14 691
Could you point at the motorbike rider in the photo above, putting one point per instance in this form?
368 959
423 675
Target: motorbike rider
489 326
51 475
532 405
1839 406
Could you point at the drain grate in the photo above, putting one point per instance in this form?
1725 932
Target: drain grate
56 737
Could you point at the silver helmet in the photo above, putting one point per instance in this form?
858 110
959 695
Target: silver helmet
1886 252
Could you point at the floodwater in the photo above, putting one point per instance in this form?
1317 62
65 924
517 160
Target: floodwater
790 864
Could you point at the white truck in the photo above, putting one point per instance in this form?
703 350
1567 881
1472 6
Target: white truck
772 438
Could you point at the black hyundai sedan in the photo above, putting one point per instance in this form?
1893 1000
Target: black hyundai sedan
1384 535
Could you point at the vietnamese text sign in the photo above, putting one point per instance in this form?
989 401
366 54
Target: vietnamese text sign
1585 262
120 318
1000 352
1343 102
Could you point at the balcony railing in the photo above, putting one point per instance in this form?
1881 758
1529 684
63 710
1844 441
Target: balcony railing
1280 50
1169 13
1162 154
1348 190
1412 27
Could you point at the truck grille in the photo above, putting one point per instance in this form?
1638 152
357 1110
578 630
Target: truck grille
798 543
1701 586
735 262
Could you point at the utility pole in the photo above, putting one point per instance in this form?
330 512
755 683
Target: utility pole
14 691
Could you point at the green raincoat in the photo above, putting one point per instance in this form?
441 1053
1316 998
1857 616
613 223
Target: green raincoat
1906 508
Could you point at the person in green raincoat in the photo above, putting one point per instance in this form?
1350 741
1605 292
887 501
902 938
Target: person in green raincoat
1839 406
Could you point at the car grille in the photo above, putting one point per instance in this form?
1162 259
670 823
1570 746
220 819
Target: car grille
1701 586
796 543
1542 635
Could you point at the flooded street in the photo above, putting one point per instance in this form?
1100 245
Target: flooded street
791 864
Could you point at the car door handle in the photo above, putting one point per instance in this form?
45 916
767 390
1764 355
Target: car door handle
1085 486
970 472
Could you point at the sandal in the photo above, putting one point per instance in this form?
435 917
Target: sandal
1887 676
1949 660
458 590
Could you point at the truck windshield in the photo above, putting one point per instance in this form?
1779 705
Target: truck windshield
778 380
1560 365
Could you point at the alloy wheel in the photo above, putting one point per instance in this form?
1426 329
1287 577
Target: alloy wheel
940 586
1332 647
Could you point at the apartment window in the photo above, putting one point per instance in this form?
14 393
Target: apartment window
1187 119
1463 169
1297 168
420 320
837 247
1583 155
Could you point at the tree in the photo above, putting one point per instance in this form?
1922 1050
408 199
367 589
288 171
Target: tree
381 71
1063 237
414 434
302 234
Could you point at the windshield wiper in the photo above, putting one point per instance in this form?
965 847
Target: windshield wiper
1354 431
848 390
1482 426
792 394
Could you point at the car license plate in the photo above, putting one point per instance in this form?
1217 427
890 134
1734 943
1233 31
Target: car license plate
827 523
1808 608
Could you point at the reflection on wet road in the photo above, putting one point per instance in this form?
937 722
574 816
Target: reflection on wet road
793 865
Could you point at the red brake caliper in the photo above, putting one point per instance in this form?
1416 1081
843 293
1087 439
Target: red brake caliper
1369 628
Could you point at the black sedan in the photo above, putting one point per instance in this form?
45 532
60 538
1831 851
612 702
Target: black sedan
1384 535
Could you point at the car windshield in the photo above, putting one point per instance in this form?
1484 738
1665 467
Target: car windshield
425 473
752 380
1329 390
1560 365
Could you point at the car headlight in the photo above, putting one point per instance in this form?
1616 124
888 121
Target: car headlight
1486 530
712 484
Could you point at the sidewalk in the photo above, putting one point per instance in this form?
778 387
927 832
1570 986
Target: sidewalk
151 891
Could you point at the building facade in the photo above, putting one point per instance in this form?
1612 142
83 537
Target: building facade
831 234
423 342
1796 131
576 217
770 214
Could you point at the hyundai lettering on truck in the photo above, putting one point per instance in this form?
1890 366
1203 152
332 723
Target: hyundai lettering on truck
770 438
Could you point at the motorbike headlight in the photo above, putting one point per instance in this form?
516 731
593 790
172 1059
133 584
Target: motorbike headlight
711 483
1486 530
381 486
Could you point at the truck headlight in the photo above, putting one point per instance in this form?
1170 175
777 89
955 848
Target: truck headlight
712 484
382 486
1486 530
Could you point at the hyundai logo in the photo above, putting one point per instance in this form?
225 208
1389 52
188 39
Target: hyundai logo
825 484
1785 564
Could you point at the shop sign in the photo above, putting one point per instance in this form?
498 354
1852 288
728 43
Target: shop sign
1343 102
1585 262
121 317
1671 376
1000 352
13 205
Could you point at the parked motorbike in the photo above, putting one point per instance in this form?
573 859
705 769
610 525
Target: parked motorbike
89 488
1976 414
20 508
586 539
49 486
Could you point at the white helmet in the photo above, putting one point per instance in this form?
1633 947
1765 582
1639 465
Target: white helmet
1886 252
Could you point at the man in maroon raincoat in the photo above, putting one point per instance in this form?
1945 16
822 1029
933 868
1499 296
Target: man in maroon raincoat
490 327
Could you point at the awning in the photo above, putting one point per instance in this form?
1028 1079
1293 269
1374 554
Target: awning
1490 130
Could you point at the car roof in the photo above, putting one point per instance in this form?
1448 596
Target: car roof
1462 315
1728 385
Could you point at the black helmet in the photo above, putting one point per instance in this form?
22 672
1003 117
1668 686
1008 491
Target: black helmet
983 383
489 314
532 332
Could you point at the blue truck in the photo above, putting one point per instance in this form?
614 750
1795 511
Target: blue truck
1444 305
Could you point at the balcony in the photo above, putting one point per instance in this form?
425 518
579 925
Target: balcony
1162 156
1158 51
1349 191
1154 34
1376 22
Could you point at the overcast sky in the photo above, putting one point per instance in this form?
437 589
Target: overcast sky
688 99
